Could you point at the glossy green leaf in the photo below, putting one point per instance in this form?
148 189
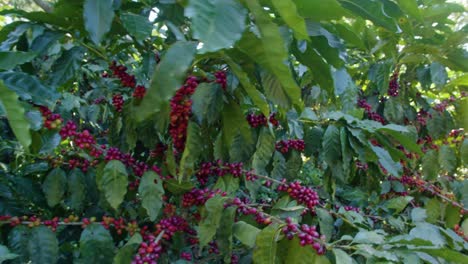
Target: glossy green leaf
43 246
371 10
10 59
331 145
449 255
218 24
15 114
297 254
245 233
207 102
151 192
342 257
76 189
411 8
266 245
166 79
288 11
225 233
433 210
257 97
447 158
193 149
430 165
211 219
233 122
138 26
54 186
393 167
326 223
398 203
18 240
66 67
319 10
265 149
274 52
29 88
98 16
96 245
114 183
452 216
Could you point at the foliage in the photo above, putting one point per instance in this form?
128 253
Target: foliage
234 131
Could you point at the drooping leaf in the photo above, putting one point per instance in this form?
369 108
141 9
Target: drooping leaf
211 220
18 240
342 257
29 88
233 122
433 210
218 24
288 11
207 102
96 245
138 26
98 16
371 10
43 246
319 10
151 192
114 182
393 167
10 59
54 186
272 52
166 79
245 233
225 233
326 223
430 165
76 188
266 245
265 149
15 115
398 203
331 145
5 254
193 149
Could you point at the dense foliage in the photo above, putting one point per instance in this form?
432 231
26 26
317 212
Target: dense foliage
234 131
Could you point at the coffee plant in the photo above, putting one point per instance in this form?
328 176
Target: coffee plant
234 131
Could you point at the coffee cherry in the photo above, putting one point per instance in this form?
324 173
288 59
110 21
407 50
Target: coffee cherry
118 102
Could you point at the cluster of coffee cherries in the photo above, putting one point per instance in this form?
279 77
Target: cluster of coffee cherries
302 194
118 102
221 79
218 169
460 232
181 110
243 208
362 103
198 197
307 235
258 120
393 86
284 146
362 165
50 120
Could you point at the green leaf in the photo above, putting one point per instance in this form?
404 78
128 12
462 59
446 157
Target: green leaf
224 234
257 97
279 166
54 186
233 122
165 81
447 158
66 67
138 26
327 44
371 10
293 165
452 216
428 232
98 16
464 151
325 222
43 245
218 24
398 203
369 237
96 245
433 209
274 52
245 233
447 254
29 88
5 254
114 183
411 8
288 12
266 246
297 254
274 90
430 165
76 188
10 59
342 257
265 149
207 102
211 219
331 145
18 240
440 124
438 74
193 149
392 167
126 253
15 115
151 193
319 10
418 215
174 187
394 111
